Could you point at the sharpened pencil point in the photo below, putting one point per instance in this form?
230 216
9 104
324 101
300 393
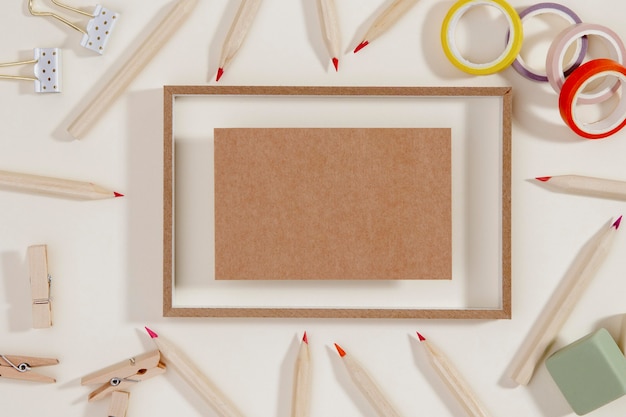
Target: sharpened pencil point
116 194
336 64
152 334
361 46
617 222
422 338
341 352
305 338
220 72
543 179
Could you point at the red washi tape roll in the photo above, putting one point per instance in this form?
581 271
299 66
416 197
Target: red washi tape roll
572 89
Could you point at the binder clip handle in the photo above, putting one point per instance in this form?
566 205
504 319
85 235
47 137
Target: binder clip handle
98 29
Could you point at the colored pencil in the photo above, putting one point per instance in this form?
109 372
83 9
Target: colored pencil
367 386
578 184
177 361
385 20
561 304
237 33
126 73
453 380
302 381
330 29
54 186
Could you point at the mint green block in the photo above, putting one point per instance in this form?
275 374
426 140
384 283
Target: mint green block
590 372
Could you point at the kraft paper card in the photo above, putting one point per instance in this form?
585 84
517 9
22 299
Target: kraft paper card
332 204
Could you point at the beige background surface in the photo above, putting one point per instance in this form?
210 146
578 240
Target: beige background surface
106 256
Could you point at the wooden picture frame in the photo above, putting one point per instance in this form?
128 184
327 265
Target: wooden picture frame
501 125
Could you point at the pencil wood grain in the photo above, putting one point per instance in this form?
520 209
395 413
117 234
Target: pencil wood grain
453 380
591 186
386 20
180 363
368 387
301 401
141 56
79 190
330 29
238 31
561 304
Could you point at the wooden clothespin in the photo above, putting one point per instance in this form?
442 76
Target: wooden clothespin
119 404
40 286
20 367
117 379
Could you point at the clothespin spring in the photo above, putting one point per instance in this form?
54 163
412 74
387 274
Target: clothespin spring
117 380
48 300
22 367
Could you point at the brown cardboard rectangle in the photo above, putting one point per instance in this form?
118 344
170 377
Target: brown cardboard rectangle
332 203
170 93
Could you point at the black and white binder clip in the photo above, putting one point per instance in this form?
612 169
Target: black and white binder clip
47 70
98 29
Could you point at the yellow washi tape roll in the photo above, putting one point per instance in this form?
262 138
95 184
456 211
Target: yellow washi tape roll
513 46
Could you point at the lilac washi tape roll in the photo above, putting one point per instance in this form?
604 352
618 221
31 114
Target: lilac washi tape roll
558 48
567 14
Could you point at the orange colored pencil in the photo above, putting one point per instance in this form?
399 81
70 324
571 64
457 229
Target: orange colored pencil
367 386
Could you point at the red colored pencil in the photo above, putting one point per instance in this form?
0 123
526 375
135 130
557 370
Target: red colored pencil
176 360
595 187
561 304
330 29
453 380
385 20
301 401
238 30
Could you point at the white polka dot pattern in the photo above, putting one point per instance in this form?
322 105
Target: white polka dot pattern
47 70
99 29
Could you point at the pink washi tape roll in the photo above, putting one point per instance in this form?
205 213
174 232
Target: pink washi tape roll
572 91
560 45
572 18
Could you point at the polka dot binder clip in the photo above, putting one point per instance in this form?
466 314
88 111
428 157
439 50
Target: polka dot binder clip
46 69
98 29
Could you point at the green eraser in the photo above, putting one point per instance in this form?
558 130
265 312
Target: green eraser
590 372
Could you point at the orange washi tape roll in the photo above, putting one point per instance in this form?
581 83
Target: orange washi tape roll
572 89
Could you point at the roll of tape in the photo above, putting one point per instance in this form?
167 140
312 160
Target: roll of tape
571 94
506 58
567 14
560 45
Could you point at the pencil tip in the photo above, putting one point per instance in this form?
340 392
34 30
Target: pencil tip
220 72
305 338
543 179
422 338
336 64
116 194
152 334
361 46
341 352
617 222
